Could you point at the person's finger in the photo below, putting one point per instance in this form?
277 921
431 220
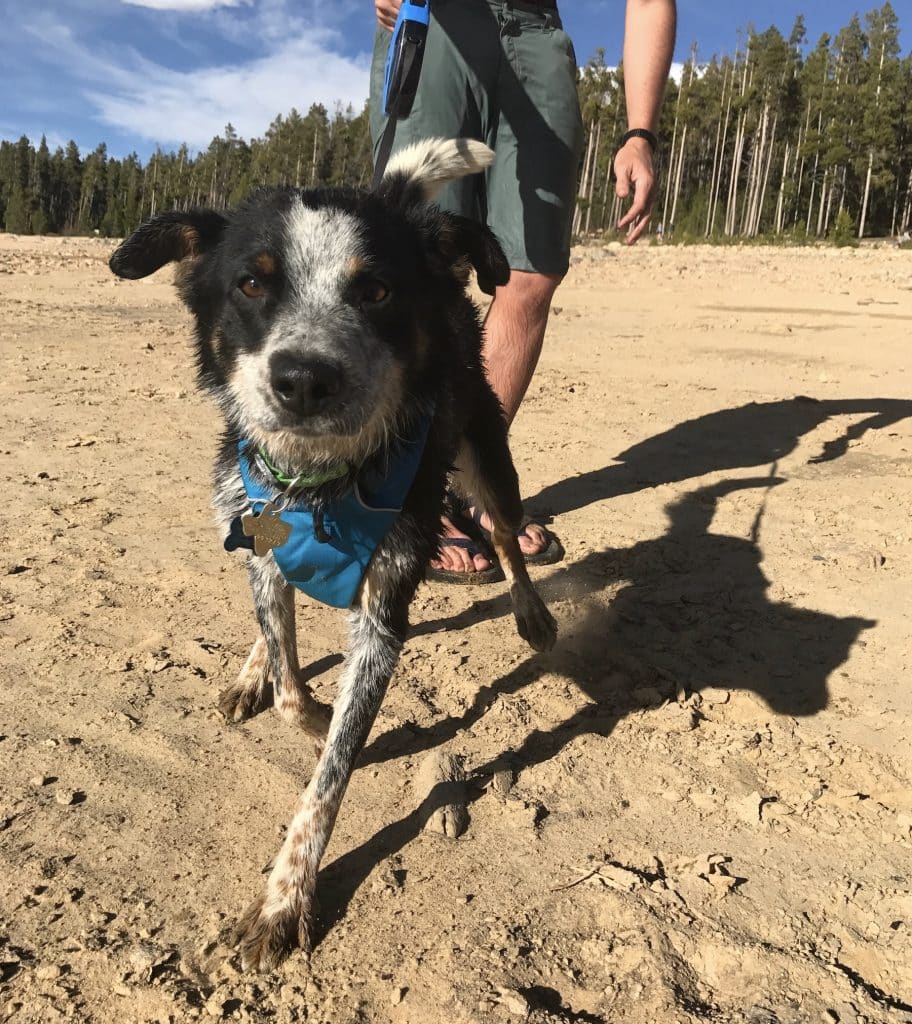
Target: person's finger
638 228
642 200
622 178
637 208
387 10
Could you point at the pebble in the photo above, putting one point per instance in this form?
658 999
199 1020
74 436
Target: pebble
502 782
440 783
397 995
48 972
512 1002
748 808
67 797
41 780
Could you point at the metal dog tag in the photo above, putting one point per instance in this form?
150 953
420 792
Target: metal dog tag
267 530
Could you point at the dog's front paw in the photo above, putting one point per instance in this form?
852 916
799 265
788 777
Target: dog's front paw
266 939
535 623
242 701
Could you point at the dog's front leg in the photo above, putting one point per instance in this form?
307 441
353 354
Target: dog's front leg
283 916
275 655
485 471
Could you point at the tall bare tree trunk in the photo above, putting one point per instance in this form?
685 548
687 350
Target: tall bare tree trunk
581 194
313 160
761 195
907 207
674 139
867 188
716 164
731 211
823 195
714 200
592 176
780 196
678 175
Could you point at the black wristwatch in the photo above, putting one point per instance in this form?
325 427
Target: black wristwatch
640 133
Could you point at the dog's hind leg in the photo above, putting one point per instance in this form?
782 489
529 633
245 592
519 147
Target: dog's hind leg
283 915
275 656
485 470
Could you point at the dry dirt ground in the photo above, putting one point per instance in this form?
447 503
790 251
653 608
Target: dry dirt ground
697 808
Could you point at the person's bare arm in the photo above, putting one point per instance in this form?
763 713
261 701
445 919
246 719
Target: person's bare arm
649 36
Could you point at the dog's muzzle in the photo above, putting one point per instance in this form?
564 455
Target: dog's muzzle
305 387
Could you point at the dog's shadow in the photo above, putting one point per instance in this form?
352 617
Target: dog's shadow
694 612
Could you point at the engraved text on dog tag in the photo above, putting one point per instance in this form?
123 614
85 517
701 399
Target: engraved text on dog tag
267 530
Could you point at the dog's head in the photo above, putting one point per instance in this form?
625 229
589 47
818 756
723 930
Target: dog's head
316 310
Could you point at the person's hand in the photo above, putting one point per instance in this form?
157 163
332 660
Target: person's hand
386 12
633 170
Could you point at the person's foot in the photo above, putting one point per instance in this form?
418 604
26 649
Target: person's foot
533 539
467 556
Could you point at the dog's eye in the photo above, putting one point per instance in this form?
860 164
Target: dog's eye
374 292
251 287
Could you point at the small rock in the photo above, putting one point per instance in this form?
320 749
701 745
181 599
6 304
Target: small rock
761 1015
68 797
617 877
397 995
48 972
524 813
215 1006
502 782
512 1002
748 808
648 696
144 957
440 785
41 780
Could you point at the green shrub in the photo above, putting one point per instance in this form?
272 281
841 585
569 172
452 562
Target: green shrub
843 230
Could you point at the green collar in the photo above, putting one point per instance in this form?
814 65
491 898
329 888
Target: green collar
302 480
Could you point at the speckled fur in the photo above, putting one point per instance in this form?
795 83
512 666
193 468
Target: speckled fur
416 352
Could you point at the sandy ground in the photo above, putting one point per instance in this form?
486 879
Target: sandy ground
697 808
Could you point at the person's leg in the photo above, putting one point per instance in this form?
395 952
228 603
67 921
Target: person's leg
457 77
514 333
530 192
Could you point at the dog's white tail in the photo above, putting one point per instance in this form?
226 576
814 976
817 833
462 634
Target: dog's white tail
433 163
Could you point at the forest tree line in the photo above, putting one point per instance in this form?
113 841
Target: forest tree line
780 138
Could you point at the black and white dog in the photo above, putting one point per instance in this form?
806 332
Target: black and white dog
334 331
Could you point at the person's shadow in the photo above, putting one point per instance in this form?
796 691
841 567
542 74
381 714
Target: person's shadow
694 613
751 435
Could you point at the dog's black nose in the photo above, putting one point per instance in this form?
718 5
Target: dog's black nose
304 386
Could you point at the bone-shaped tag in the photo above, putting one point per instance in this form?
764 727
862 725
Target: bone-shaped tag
267 529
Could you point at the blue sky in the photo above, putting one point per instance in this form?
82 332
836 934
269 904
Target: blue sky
136 73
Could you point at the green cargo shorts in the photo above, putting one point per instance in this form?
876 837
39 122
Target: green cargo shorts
505 74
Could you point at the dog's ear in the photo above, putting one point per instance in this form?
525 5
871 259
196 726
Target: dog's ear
463 239
166 238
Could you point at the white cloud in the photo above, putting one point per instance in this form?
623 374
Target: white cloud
169 106
185 5
163 105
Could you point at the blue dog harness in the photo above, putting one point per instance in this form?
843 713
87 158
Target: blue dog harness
330 567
